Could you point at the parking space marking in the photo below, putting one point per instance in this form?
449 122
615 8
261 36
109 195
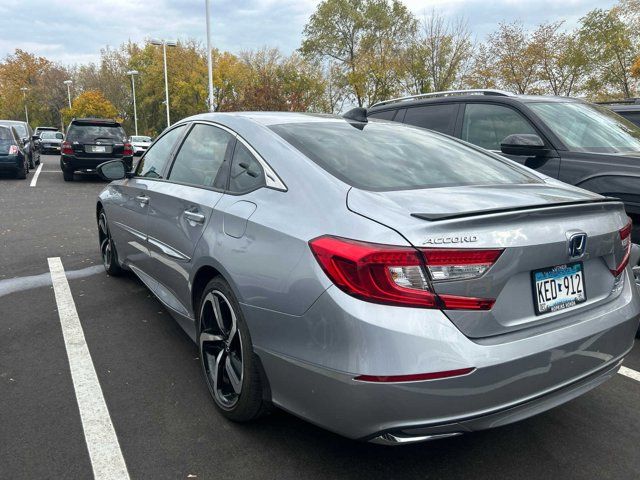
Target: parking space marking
628 372
102 442
36 175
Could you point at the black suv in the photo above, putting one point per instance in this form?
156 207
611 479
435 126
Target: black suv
574 141
92 141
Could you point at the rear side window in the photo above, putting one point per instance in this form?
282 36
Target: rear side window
386 115
246 171
201 156
153 162
441 117
633 117
392 156
488 125
83 133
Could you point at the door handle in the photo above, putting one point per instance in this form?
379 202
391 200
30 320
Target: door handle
143 199
194 217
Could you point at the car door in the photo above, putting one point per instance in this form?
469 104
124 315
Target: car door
487 125
128 221
181 208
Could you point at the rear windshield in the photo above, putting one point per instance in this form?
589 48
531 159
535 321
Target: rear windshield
387 156
20 128
140 139
49 134
90 133
5 135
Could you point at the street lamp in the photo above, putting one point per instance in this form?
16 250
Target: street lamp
209 62
165 44
133 74
24 97
68 84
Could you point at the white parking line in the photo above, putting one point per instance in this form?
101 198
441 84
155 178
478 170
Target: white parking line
104 450
36 175
627 372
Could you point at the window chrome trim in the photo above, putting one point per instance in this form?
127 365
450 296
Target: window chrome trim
272 179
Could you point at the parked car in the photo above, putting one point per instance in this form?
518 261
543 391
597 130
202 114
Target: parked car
629 109
39 130
12 155
140 144
90 142
50 142
568 139
385 282
27 139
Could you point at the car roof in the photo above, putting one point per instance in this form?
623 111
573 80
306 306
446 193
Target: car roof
264 118
13 122
506 99
95 121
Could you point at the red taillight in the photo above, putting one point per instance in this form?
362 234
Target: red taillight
13 150
67 149
128 150
413 378
395 275
625 239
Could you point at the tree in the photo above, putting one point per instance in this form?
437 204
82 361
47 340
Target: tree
439 54
515 58
365 40
561 56
91 103
612 47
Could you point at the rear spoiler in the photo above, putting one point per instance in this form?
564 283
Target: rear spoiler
476 213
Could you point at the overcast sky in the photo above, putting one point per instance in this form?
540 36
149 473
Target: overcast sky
74 31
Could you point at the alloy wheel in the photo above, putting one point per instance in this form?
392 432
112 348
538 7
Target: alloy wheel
106 244
221 349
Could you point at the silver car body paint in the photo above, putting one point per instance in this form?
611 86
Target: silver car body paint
313 339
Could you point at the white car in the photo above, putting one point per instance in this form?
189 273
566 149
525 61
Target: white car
140 143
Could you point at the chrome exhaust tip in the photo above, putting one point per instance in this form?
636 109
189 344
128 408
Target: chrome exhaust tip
395 439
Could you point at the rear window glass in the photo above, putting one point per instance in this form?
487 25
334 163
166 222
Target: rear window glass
49 134
440 117
20 128
5 135
388 156
88 133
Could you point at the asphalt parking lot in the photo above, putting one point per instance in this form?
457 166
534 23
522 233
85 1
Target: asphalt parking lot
165 422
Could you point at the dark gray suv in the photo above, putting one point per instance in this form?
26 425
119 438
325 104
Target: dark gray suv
568 139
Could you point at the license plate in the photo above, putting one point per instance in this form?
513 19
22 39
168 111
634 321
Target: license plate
98 149
557 288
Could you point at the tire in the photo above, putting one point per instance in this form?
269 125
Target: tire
67 175
230 367
22 173
108 250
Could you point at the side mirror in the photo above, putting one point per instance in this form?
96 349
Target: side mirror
527 145
112 170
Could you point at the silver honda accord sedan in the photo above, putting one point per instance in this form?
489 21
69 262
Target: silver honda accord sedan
385 282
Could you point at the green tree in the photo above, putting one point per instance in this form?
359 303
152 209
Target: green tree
365 40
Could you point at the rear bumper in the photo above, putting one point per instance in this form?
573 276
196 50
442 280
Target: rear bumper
73 163
10 163
311 362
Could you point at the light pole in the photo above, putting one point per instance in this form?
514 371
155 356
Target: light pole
24 97
209 62
133 74
165 44
68 84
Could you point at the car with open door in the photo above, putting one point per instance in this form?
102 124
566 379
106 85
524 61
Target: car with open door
13 157
27 139
386 282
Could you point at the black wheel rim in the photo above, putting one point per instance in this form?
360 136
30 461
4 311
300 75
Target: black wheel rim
106 245
221 349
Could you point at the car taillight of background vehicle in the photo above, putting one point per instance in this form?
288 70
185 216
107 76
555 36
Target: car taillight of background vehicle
625 239
395 275
128 150
67 149
13 150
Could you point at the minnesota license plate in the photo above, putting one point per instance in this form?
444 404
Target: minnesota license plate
557 288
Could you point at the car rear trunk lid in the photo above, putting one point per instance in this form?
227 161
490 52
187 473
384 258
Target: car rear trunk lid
532 223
